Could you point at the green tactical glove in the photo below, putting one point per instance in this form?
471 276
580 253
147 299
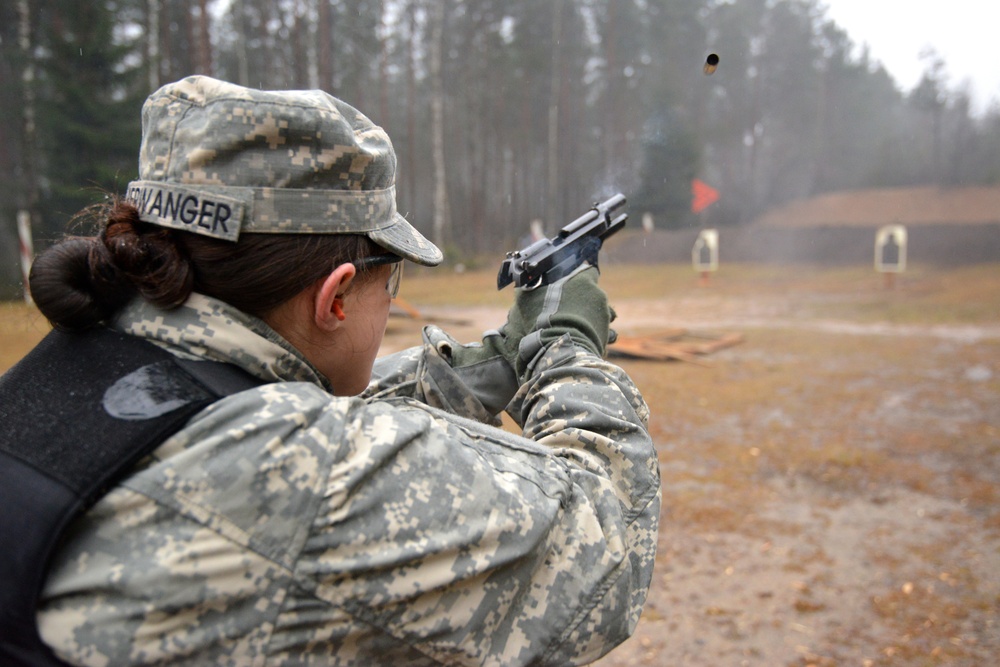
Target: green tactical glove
495 368
574 305
483 367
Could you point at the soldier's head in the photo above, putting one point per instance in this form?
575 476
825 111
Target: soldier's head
280 203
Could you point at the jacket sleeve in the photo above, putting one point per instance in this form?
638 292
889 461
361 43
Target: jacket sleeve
472 545
424 375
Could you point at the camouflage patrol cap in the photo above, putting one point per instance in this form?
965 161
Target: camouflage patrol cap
219 159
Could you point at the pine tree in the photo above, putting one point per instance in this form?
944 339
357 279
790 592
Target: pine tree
671 159
91 93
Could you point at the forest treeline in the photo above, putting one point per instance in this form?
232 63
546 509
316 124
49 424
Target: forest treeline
501 111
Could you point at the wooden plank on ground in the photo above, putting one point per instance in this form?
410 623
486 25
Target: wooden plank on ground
673 344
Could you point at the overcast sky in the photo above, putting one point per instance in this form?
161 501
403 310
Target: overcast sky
965 33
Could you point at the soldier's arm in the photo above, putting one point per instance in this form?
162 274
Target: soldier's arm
458 539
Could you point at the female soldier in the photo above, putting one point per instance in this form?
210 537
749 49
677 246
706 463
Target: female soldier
326 514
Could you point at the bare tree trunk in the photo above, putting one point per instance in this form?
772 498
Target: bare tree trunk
29 186
383 66
610 89
167 69
190 55
298 33
272 66
524 195
411 103
27 214
311 46
153 43
820 177
325 64
936 114
552 197
357 76
442 223
241 41
204 40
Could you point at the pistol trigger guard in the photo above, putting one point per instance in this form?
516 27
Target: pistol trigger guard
535 285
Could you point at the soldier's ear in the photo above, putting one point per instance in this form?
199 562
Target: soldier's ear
328 302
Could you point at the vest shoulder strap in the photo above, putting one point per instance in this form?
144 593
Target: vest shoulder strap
76 414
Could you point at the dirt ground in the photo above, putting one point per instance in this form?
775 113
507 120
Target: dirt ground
831 486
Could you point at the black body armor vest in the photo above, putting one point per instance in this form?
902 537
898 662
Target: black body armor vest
76 414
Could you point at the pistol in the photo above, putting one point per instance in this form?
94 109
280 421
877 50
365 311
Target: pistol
547 260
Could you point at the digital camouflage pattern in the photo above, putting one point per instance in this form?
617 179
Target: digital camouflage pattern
209 147
284 525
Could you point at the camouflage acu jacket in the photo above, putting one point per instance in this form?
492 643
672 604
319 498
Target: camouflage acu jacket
286 526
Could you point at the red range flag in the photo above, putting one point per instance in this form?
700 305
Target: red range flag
703 195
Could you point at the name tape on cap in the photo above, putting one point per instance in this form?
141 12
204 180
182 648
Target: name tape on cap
179 207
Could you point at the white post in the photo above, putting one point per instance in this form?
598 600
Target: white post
27 249
705 254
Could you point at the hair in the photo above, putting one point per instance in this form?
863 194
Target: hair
83 281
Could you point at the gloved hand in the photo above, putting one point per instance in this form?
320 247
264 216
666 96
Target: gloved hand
495 368
575 305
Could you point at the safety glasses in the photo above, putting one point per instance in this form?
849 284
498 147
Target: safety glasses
367 263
